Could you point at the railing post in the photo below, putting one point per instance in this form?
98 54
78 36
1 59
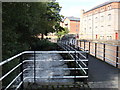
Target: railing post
72 42
75 65
78 48
21 70
80 43
86 65
84 45
103 52
76 44
34 68
117 49
87 61
67 42
95 49
89 47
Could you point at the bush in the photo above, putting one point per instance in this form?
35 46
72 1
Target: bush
43 45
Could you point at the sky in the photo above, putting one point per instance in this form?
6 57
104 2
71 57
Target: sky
73 7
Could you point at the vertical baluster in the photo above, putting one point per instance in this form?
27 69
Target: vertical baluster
34 67
87 61
117 49
89 47
84 45
95 49
103 52
21 70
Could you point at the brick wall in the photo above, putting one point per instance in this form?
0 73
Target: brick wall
74 27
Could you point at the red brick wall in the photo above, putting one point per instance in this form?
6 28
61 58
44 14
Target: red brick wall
74 27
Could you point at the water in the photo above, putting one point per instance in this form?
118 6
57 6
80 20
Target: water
46 69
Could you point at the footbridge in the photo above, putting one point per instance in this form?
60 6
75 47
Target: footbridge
84 65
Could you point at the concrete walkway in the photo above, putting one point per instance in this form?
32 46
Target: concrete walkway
102 75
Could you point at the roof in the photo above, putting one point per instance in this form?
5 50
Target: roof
73 18
103 4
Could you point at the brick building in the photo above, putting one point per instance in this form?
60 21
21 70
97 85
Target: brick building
73 25
101 22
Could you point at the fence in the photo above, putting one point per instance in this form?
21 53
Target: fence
106 52
82 57
20 67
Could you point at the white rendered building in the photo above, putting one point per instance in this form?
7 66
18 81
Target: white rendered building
101 22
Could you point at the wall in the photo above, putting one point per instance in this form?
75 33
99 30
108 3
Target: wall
101 23
71 25
74 27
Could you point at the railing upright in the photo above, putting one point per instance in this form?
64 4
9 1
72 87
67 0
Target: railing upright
78 48
117 49
95 49
84 45
75 64
89 47
21 70
76 43
34 67
72 42
103 52
87 61
80 43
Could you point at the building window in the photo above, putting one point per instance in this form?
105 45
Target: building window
109 37
102 9
110 7
85 30
102 18
96 19
89 19
101 37
76 25
109 16
76 29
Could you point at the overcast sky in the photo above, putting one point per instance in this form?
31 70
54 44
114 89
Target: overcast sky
73 7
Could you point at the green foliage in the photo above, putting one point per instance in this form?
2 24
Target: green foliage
24 21
43 45
62 32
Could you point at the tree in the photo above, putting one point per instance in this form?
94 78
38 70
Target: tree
53 18
23 22
63 32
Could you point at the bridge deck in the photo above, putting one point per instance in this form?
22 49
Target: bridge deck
101 74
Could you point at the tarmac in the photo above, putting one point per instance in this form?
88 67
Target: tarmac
102 75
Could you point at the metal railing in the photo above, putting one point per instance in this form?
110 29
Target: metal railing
22 69
82 57
106 52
